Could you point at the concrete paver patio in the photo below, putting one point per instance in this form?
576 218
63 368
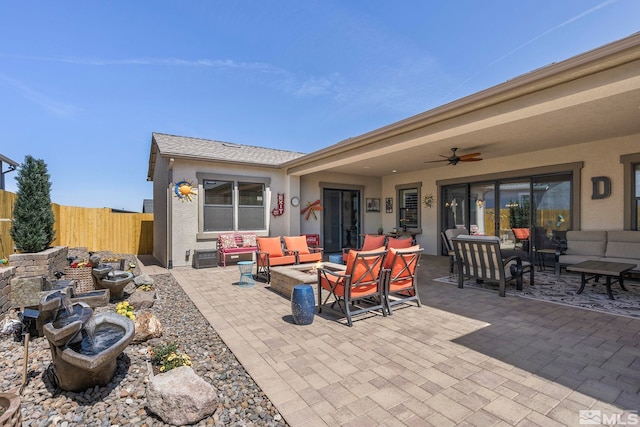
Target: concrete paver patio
465 357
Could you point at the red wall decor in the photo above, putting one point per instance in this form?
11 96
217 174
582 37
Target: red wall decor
280 209
311 209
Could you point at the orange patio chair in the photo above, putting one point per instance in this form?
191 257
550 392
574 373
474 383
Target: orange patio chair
298 245
359 289
271 254
371 242
522 237
400 276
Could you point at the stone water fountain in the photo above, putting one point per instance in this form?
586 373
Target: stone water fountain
107 277
84 347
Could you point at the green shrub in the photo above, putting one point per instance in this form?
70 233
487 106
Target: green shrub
167 357
33 219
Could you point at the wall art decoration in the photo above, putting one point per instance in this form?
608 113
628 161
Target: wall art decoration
310 210
373 205
388 205
280 209
185 191
428 200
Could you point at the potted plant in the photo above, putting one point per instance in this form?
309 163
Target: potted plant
380 230
10 410
33 220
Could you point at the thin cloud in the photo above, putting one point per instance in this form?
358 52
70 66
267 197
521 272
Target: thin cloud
170 62
58 108
511 52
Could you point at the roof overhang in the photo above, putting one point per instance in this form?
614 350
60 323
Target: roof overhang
592 96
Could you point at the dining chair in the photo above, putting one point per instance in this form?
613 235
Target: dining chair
400 276
359 289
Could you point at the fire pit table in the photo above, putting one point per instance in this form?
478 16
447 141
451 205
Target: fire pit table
284 278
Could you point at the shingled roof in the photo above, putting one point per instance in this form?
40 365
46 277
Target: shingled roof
206 149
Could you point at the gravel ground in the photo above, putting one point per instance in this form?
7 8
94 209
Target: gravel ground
122 402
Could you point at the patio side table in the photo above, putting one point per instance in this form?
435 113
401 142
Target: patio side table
303 305
246 274
335 258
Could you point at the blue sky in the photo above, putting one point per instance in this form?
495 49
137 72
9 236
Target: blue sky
84 84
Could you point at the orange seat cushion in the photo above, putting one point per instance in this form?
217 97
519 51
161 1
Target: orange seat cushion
297 243
372 241
521 233
388 262
360 271
396 243
282 260
315 257
270 245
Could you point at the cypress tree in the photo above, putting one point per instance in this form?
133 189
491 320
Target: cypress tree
33 220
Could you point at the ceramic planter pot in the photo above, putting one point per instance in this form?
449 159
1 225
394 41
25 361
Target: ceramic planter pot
11 417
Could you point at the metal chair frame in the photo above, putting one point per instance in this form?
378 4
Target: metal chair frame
344 288
481 259
401 280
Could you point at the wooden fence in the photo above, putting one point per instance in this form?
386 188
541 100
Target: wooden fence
97 229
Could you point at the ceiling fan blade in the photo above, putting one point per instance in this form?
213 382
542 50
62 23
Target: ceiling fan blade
474 159
467 157
446 159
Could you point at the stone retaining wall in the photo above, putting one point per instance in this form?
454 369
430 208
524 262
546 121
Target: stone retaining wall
41 264
6 274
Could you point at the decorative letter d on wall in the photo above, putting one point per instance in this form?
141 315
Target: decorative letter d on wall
601 187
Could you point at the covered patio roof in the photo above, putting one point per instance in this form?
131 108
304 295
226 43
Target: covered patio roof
592 96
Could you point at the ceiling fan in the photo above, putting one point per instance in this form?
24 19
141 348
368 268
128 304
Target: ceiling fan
454 158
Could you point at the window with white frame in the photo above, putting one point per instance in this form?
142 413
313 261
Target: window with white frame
233 203
409 205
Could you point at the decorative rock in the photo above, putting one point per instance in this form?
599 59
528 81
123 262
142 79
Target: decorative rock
143 279
181 397
142 299
147 327
26 291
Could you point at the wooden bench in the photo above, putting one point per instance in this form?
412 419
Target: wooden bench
236 246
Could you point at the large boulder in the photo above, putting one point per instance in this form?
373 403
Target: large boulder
143 279
147 327
142 299
181 397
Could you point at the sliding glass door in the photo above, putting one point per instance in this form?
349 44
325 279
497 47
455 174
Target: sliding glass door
551 210
526 213
341 219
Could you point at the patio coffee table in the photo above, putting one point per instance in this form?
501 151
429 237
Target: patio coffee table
608 269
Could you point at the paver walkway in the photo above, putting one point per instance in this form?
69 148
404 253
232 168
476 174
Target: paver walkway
465 357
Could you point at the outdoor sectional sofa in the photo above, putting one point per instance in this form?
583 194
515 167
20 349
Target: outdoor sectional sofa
613 246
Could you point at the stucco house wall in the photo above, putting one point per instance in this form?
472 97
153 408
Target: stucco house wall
313 184
600 158
160 221
185 233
